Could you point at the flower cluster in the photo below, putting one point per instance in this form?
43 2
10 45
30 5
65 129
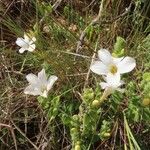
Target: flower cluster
111 68
38 85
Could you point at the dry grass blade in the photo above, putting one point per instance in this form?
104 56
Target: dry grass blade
12 132
94 21
36 148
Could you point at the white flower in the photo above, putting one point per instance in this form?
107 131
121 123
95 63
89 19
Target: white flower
26 43
112 83
39 85
112 65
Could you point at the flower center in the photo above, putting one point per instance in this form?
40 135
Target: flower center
113 69
44 91
43 88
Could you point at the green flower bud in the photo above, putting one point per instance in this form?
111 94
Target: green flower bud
55 110
107 134
73 130
95 103
88 95
74 134
77 147
78 142
146 102
114 55
75 117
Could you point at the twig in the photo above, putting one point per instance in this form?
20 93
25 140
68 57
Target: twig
83 35
94 21
127 10
98 21
12 132
93 57
5 66
54 7
36 148
86 8
56 4
8 8
76 54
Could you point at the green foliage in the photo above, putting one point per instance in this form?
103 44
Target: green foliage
135 111
72 16
90 119
85 123
45 8
145 83
105 130
48 68
13 26
92 32
50 105
88 96
116 100
132 142
145 44
119 47
144 49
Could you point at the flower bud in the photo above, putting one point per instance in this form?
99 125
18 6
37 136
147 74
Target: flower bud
88 95
77 147
107 134
78 142
95 103
75 117
73 129
146 102
55 110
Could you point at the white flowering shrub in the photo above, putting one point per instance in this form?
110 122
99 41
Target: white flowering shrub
74 81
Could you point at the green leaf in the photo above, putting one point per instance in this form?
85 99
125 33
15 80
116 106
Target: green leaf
119 47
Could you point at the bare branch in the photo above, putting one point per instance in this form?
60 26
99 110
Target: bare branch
56 4
98 20
12 132
93 57
54 7
94 21
36 148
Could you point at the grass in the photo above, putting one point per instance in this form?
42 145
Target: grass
67 120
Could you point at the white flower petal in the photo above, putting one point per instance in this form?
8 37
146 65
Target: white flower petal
113 79
39 85
104 85
51 81
32 90
45 93
26 37
126 65
42 76
31 48
32 79
33 39
21 42
21 50
120 90
117 60
99 68
105 56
